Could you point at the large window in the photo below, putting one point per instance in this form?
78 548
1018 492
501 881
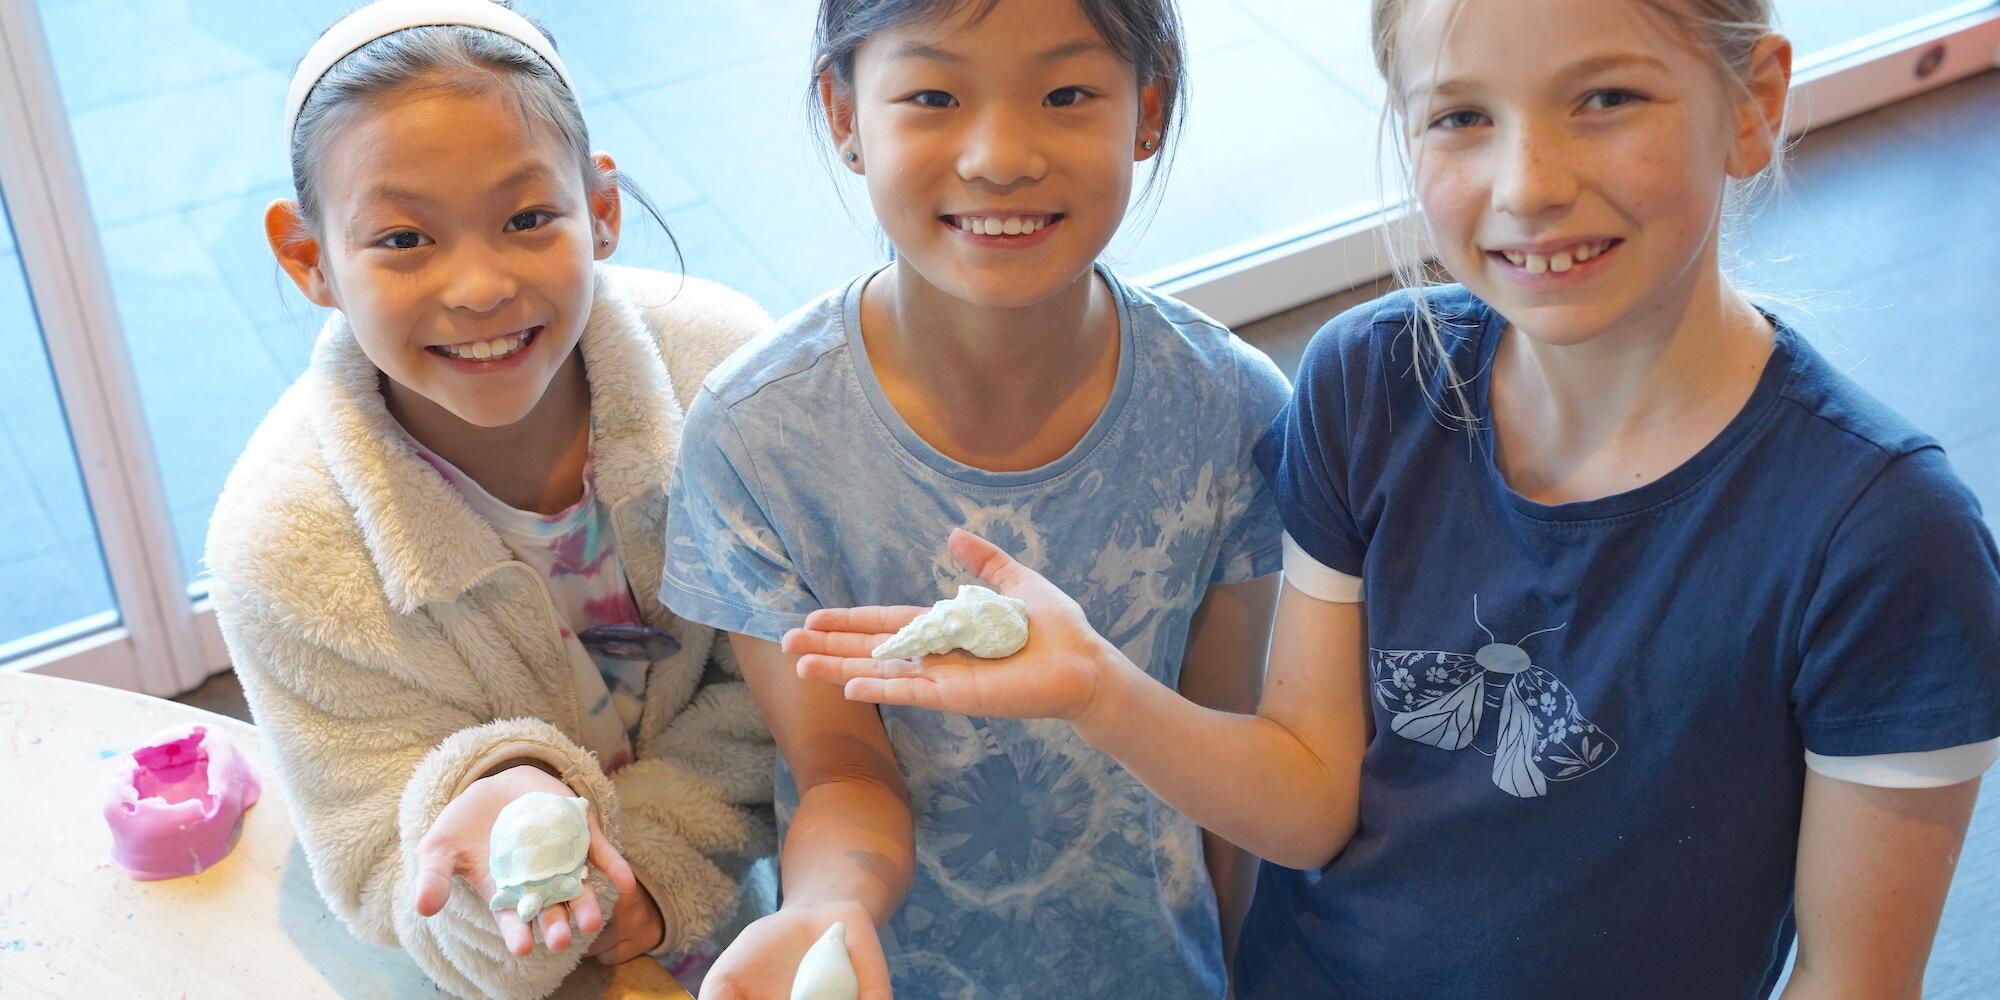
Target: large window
1827 28
155 148
52 582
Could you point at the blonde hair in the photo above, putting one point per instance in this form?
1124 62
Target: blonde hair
1728 31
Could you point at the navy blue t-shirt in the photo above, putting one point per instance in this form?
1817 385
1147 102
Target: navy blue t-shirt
1591 718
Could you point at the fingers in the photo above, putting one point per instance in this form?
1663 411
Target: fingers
840 669
832 643
986 560
621 950
515 934
613 945
996 567
605 856
585 911
433 880
554 919
869 620
914 692
871 968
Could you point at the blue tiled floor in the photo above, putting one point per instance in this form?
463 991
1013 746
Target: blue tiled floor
174 106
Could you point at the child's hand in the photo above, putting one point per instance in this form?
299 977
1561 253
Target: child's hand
634 929
762 962
1057 675
457 845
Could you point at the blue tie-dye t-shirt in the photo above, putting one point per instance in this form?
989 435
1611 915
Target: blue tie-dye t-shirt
1043 869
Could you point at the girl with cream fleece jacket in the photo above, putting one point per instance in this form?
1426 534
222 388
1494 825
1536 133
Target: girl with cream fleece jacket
436 562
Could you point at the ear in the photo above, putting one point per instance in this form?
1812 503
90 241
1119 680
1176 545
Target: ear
1760 110
607 208
298 251
836 102
1152 120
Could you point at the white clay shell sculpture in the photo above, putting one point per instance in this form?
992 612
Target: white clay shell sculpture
537 851
979 621
826 973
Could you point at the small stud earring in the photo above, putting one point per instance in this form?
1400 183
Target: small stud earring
1147 144
852 156
605 242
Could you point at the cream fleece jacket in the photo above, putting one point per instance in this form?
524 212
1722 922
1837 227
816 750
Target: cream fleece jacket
392 649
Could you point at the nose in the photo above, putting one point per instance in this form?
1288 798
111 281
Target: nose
478 281
1001 150
1535 176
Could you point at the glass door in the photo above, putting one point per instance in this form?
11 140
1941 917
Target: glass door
52 583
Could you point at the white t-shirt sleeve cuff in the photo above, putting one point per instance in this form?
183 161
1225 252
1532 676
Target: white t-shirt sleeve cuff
1923 769
1316 579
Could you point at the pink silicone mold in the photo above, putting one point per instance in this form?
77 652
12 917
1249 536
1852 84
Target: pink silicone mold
177 802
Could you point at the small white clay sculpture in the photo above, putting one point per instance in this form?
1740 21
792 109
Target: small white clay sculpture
979 621
826 973
537 851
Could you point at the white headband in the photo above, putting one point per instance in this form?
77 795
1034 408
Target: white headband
386 17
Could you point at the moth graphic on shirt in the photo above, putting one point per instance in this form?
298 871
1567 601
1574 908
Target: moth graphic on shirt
1496 701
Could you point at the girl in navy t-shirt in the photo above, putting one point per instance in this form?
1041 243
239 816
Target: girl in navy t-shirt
1674 643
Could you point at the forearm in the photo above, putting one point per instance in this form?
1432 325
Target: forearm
851 841
1805 984
1249 778
1228 643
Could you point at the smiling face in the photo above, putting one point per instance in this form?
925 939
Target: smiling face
1572 156
998 149
457 237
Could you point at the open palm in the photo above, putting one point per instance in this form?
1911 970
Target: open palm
1054 676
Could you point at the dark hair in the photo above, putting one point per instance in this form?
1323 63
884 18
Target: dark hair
1146 34
450 56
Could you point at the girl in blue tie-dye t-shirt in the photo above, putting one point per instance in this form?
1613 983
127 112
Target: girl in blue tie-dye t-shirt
993 377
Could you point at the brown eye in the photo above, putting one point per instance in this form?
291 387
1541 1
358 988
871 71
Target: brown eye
408 239
528 220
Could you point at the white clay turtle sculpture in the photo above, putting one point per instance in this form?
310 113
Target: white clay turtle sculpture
537 852
979 621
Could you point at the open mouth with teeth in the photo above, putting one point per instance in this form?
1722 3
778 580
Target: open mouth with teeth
1560 262
1001 225
496 349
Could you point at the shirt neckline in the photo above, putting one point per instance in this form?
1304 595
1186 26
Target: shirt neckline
916 447
1778 369
504 516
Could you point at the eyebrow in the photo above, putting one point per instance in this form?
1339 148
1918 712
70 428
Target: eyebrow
1581 69
399 196
1082 46
918 50
519 178
528 174
1067 50
1616 60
